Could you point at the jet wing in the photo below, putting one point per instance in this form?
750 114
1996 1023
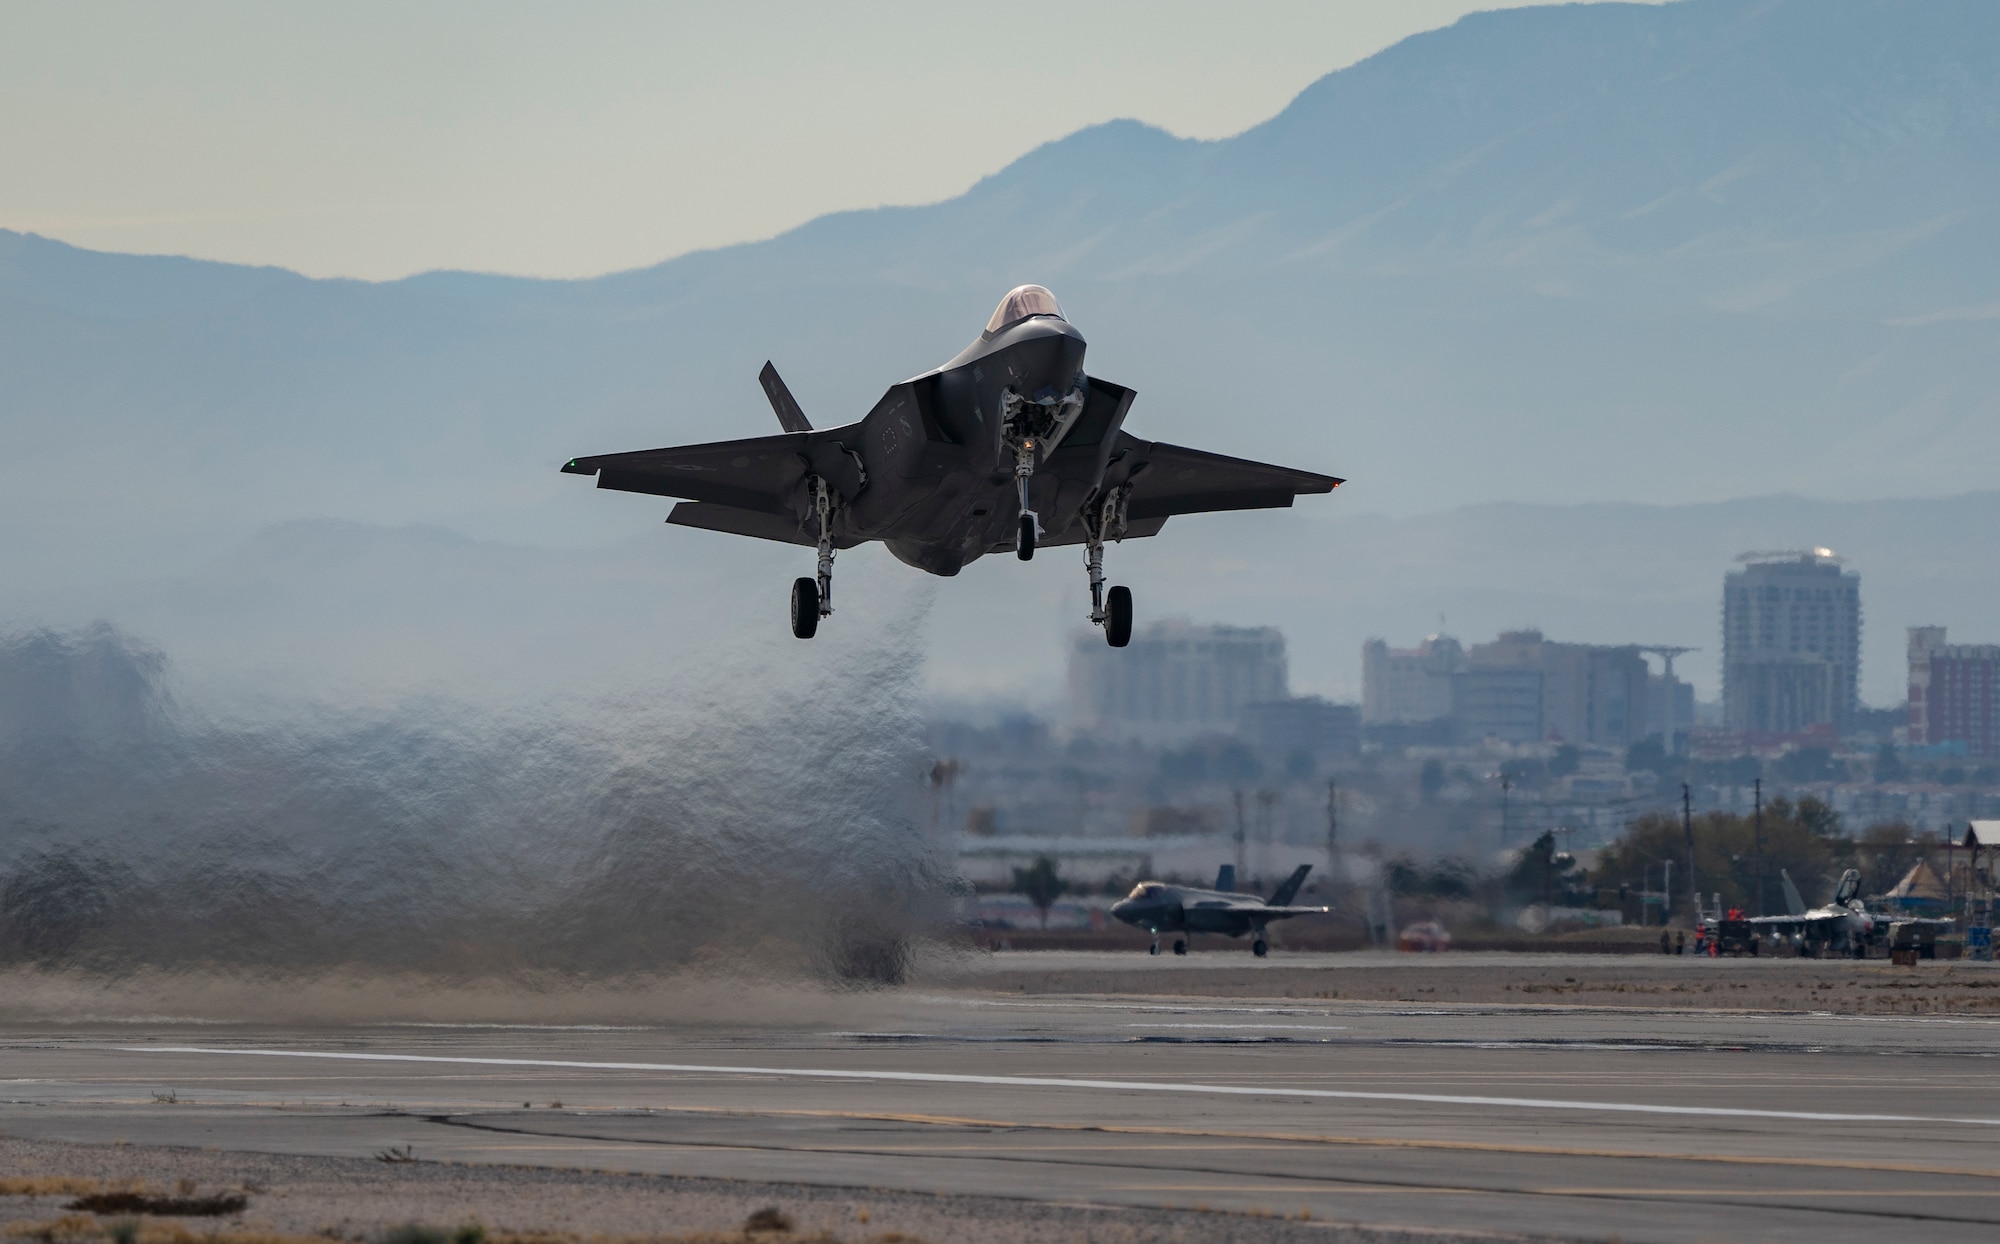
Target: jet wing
1168 480
759 474
1279 913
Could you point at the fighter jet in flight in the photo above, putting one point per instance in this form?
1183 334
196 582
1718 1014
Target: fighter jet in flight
1010 445
1161 908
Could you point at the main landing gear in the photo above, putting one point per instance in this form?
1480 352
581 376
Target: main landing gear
1260 948
812 599
1111 610
1180 945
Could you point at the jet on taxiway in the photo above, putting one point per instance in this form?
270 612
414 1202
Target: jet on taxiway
1843 926
1010 445
1161 908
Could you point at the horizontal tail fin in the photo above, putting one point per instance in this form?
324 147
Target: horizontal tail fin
1290 890
790 416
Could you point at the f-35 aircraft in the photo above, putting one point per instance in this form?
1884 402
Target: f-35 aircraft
1161 908
1010 445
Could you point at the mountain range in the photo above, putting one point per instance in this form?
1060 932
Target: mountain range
1556 288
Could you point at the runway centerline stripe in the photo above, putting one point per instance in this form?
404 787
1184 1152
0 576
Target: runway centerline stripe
1135 1086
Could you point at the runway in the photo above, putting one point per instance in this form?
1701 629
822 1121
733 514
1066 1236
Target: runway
1583 1122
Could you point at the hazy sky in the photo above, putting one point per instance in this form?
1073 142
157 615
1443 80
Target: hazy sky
375 139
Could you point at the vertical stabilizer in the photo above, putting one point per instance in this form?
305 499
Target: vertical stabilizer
1225 878
1794 905
1290 890
790 416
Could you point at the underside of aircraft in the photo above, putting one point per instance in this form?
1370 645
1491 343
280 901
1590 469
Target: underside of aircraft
1009 445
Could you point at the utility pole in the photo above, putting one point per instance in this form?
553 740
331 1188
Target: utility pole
1949 904
1687 831
1266 801
1506 784
1242 865
1332 828
1758 796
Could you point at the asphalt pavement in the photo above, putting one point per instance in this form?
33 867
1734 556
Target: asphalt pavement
1586 1122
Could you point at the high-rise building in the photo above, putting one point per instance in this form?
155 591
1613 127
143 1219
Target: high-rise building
1497 702
1176 680
1406 685
1954 693
1791 643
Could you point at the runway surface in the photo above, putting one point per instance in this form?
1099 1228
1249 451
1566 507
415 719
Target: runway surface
1567 1121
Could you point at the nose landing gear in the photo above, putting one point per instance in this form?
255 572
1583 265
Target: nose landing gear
1024 423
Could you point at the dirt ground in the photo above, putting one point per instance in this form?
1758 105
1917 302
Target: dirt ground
1871 987
307 1198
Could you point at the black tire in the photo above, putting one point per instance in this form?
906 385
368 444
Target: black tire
1155 950
1260 948
1118 617
1024 544
805 608
1180 945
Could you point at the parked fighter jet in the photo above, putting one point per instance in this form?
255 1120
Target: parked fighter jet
1010 445
1843 926
1160 908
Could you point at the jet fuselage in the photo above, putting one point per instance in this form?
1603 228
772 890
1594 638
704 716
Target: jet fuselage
965 491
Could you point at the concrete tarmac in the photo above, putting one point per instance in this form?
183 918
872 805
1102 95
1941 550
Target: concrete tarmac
1582 1122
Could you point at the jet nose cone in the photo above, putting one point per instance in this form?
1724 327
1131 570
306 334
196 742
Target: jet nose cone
1122 909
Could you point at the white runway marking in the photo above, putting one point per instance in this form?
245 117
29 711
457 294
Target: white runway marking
1257 1027
1133 1086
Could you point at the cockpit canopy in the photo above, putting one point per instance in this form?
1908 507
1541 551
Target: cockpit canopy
1022 302
1144 889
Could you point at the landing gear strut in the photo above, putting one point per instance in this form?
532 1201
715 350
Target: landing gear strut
1111 610
1031 522
812 599
1024 423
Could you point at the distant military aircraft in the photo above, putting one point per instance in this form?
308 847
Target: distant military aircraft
1161 908
1843 926
1010 445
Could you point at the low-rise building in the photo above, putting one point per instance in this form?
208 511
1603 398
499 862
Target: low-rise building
1306 724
